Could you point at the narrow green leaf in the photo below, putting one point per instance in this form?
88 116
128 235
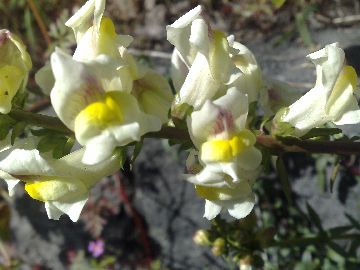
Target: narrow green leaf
354 246
17 131
321 132
58 149
6 124
41 132
334 173
302 27
314 217
338 249
136 152
337 231
284 179
353 221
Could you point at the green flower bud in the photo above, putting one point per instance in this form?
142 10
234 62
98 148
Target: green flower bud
218 246
15 64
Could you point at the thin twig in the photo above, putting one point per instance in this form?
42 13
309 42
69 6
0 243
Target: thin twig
346 19
39 22
39 106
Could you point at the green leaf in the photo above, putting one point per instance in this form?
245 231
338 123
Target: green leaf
314 217
337 231
284 178
136 152
321 132
355 245
42 132
353 221
338 249
63 146
301 24
334 173
6 124
121 151
278 3
17 131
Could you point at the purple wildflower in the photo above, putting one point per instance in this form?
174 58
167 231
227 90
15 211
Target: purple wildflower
96 248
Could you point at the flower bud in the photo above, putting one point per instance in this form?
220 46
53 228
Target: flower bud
245 263
15 64
218 247
201 238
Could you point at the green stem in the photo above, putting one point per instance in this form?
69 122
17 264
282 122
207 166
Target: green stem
321 239
296 145
275 146
40 120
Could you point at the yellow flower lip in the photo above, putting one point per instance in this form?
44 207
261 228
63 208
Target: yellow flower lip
217 193
47 190
226 150
100 114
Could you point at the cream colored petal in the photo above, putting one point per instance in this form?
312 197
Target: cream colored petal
89 14
75 87
24 162
242 208
211 210
154 95
178 70
44 78
249 159
329 62
199 84
201 123
351 115
180 31
235 102
10 181
73 209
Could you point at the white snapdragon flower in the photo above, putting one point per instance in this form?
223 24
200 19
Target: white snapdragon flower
62 184
15 64
332 99
94 33
227 153
205 63
91 100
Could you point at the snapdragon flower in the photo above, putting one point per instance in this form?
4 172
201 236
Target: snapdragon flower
205 63
96 35
227 153
15 64
332 99
91 100
62 184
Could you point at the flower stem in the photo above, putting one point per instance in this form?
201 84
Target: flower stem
40 120
321 239
274 145
296 145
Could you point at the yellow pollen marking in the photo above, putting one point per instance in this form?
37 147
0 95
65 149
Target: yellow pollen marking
226 150
107 27
214 193
101 114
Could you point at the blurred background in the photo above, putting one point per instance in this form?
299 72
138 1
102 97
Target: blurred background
145 217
